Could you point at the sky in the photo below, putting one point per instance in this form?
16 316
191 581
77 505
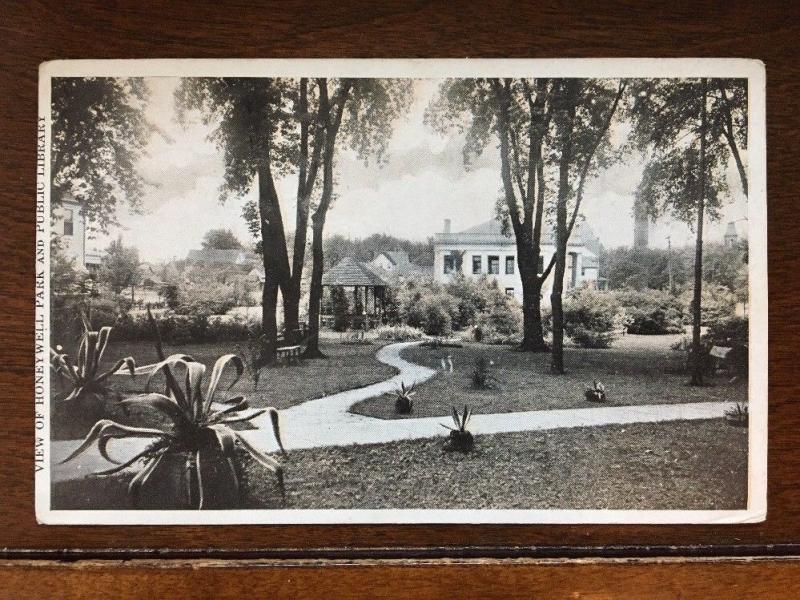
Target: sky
422 182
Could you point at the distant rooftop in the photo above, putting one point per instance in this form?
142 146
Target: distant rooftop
222 257
349 272
491 232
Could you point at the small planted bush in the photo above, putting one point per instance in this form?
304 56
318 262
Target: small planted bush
460 438
192 460
482 377
651 312
596 393
403 403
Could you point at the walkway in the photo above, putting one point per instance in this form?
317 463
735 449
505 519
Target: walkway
327 422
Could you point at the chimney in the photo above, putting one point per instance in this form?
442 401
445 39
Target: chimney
447 225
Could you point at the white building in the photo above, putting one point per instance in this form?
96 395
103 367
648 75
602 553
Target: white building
70 225
485 250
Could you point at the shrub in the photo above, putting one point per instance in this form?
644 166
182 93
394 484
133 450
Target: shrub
591 318
399 333
182 329
340 307
731 332
501 323
199 430
651 312
482 377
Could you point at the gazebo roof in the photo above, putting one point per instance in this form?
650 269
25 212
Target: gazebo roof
348 272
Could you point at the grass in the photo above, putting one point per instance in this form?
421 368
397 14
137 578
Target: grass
347 366
694 465
636 370
672 465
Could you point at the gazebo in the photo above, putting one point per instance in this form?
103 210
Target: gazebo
368 289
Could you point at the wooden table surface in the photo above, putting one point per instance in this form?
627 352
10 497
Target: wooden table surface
35 31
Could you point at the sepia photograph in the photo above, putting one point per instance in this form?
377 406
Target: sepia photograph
401 291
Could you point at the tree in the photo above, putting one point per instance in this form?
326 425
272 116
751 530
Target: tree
519 114
583 110
690 127
221 239
513 111
363 111
119 268
99 132
266 128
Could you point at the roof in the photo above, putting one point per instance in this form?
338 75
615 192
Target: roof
348 272
396 257
491 232
227 257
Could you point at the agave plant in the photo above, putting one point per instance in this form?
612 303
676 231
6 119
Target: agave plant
460 437
198 427
403 404
85 376
738 415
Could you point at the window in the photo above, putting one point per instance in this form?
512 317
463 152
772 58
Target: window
68 221
477 264
540 268
449 263
494 265
509 265
509 291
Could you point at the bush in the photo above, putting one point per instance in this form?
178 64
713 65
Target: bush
501 324
717 302
651 312
591 318
183 329
399 333
733 333
340 307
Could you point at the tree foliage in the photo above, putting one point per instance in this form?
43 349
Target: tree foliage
99 132
221 239
119 268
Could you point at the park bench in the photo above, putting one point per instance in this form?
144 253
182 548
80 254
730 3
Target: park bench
290 353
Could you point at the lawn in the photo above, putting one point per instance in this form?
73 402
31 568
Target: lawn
346 366
690 465
636 370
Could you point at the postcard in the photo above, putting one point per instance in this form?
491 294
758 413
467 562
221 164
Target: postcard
401 291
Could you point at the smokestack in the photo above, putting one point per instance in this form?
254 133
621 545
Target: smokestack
447 225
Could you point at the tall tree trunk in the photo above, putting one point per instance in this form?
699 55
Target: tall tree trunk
533 332
557 362
333 120
697 309
274 258
315 296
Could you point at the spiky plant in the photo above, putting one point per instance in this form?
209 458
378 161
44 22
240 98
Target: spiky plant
597 393
197 427
738 415
403 404
84 376
460 437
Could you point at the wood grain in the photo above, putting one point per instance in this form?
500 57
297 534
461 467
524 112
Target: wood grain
404 580
35 31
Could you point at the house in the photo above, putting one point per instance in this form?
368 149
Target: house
395 265
69 224
485 249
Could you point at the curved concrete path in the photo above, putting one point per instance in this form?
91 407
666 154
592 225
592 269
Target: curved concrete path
327 422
